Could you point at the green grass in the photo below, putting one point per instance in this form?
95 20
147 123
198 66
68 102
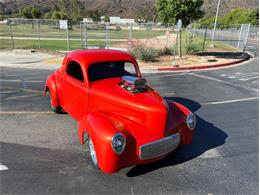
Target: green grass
47 44
46 31
195 44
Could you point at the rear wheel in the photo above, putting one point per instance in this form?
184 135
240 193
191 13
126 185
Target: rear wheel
54 108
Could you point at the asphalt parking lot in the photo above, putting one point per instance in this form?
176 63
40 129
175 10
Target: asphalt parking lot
43 155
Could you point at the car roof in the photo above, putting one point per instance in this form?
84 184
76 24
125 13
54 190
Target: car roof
91 56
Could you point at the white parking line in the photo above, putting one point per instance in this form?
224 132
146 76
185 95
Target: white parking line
250 78
3 167
226 82
230 101
15 80
22 96
212 153
25 112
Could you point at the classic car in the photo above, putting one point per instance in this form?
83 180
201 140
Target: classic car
121 118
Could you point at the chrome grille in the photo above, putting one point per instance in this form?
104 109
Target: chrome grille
159 147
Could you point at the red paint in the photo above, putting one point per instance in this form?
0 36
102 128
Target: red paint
103 108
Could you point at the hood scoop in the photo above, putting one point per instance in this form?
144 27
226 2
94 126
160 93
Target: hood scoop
133 84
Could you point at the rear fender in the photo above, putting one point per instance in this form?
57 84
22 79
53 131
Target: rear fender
99 127
51 86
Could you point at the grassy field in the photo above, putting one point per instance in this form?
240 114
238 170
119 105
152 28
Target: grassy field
194 44
189 44
45 31
48 44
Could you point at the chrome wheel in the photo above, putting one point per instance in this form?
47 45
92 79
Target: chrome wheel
92 152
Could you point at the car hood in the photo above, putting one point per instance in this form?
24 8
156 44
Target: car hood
147 109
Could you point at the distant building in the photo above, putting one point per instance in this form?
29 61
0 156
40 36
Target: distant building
114 20
126 20
88 20
118 20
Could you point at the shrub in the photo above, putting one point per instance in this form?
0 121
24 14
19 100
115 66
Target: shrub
165 51
145 54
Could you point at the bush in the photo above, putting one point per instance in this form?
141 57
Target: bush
145 54
165 51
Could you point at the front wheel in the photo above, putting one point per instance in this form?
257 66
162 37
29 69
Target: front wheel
92 152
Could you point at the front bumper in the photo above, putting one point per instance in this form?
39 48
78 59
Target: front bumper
159 147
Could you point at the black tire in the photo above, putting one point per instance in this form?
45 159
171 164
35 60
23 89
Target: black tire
53 108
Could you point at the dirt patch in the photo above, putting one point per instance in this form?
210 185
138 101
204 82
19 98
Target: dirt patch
192 60
159 42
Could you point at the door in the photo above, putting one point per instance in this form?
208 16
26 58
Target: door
74 91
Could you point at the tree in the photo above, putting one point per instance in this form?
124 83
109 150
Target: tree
187 10
75 12
95 15
106 19
30 12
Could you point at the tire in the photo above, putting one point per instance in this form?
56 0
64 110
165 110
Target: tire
53 108
92 153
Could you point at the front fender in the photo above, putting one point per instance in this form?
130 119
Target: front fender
51 86
101 130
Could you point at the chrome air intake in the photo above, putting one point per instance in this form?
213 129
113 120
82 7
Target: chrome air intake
133 84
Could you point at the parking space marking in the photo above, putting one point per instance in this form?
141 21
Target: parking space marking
250 78
21 80
242 76
212 153
3 167
26 90
19 97
231 101
25 112
225 82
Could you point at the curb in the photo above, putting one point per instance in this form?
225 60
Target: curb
205 66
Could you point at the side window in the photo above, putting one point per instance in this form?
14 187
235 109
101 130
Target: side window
130 68
74 70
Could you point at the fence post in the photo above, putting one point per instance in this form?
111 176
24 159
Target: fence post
81 35
205 36
85 35
180 54
107 28
240 34
38 33
247 34
68 38
131 34
11 34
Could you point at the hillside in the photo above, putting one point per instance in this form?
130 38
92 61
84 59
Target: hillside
123 8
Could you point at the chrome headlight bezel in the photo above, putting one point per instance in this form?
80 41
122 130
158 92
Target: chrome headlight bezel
118 149
191 121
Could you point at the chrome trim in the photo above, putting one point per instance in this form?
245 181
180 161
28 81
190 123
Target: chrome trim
139 83
113 138
194 121
92 152
175 138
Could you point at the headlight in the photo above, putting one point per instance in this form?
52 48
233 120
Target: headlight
118 143
191 121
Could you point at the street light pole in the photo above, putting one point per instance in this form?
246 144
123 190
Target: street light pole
215 24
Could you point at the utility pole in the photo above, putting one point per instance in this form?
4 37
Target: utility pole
215 24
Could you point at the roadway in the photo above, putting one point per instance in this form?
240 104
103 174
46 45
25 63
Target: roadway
43 155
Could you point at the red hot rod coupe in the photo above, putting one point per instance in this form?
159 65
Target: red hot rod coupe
123 119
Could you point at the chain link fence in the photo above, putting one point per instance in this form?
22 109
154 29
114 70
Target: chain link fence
236 37
47 34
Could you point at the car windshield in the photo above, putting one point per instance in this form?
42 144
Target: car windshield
104 70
